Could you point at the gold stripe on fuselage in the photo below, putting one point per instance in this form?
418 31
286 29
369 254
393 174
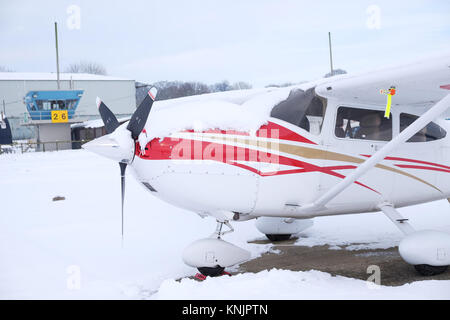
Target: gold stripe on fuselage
311 153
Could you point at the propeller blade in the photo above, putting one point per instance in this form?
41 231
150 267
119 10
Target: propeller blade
109 119
123 167
136 124
139 117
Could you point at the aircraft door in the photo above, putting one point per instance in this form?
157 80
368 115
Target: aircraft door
358 132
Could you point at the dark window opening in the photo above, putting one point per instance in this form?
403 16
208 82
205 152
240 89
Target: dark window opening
431 132
362 124
303 109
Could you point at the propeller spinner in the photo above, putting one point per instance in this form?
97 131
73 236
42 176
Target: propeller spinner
118 144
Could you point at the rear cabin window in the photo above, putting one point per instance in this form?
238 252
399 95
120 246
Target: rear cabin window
362 124
303 109
431 132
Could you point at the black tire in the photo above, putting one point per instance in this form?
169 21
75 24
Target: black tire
211 271
427 270
278 237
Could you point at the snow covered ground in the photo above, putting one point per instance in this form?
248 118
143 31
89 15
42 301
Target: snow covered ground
72 249
287 285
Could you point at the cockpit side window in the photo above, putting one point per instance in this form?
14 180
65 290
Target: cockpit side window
431 132
362 124
303 109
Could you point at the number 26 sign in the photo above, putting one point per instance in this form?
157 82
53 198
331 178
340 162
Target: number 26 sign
60 116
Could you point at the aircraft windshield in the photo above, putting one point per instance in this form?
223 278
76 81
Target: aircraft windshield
303 109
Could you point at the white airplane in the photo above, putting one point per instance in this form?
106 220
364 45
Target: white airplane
316 149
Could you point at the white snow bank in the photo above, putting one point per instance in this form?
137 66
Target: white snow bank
41 241
286 285
45 244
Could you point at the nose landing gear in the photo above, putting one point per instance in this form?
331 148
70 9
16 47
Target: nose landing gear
212 255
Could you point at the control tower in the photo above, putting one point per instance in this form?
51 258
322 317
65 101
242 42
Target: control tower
52 113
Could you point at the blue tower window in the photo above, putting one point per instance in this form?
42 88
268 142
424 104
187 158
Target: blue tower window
40 104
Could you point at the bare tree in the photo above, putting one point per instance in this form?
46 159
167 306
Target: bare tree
334 73
240 85
221 86
177 89
86 67
285 84
5 69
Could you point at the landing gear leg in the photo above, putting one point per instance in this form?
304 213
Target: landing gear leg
397 219
219 233
411 247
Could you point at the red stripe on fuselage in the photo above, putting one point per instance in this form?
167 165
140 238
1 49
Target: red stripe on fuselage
187 149
412 160
276 131
159 150
407 166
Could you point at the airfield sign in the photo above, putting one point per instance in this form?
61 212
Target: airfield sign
60 116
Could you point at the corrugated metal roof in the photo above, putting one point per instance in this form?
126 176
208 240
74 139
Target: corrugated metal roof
52 76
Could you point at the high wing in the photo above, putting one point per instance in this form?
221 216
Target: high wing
419 85
424 87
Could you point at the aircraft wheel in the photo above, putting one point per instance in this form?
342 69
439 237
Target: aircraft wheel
427 270
211 271
278 237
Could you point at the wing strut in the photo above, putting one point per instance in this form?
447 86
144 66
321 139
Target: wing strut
411 130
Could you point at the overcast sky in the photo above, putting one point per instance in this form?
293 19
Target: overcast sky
258 41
